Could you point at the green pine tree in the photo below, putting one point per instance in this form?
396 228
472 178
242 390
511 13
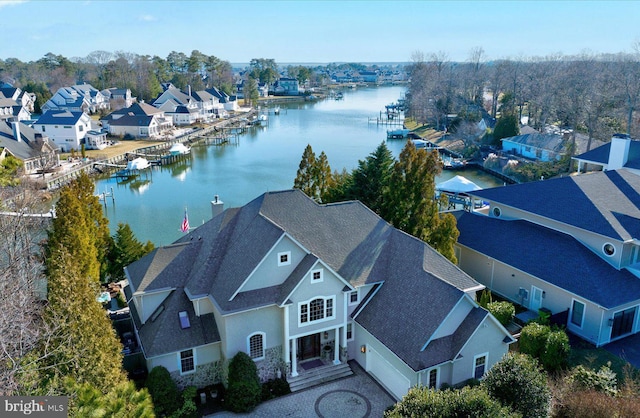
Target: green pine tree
306 171
371 178
125 250
409 201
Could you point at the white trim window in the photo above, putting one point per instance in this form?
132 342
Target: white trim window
255 345
480 365
354 297
432 378
350 331
317 310
577 313
317 276
187 361
284 258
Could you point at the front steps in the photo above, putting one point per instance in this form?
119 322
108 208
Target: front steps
319 375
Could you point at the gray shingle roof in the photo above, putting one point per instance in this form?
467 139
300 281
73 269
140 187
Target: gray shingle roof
420 286
593 202
552 256
551 142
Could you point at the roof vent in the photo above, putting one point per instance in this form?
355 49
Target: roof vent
184 320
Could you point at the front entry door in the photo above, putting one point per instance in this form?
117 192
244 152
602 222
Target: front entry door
623 322
309 346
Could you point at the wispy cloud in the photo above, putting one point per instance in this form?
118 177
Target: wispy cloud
147 18
4 3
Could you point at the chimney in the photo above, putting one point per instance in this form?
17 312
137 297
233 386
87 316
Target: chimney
217 206
16 130
189 90
619 151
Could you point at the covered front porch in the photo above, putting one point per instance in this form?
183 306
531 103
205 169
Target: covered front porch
317 349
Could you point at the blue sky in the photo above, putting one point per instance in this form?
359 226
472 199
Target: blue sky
318 31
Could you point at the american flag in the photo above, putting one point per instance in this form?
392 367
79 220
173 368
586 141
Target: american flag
184 227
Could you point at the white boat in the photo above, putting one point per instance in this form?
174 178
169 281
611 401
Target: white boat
179 149
262 117
138 164
276 111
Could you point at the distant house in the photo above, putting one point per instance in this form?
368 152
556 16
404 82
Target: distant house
139 120
183 115
287 280
192 105
77 98
119 98
229 103
286 87
536 146
66 129
22 98
369 76
569 245
29 146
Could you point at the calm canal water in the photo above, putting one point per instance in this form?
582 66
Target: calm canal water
265 159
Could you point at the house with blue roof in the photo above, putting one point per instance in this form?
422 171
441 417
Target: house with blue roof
620 152
302 288
570 245
67 129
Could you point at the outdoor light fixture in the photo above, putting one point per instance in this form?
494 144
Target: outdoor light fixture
326 335
363 349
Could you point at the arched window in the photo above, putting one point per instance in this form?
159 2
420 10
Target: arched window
317 309
255 347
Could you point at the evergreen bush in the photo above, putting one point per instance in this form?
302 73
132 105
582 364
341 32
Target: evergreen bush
533 339
556 351
274 388
517 381
163 391
503 311
244 392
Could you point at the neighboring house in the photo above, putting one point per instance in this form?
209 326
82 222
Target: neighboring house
208 104
286 87
536 146
96 140
65 128
285 279
229 103
23 98
369 76
26 144
569 245
119 98
140 120
621 152
172 98
182 115
77 98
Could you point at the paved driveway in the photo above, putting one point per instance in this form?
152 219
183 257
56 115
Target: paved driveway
355 396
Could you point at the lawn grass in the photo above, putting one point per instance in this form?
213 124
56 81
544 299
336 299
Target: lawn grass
587 355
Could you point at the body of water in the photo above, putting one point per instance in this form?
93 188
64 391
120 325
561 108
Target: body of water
264 159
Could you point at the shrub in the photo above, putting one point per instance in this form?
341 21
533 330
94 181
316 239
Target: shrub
517 381
188 408
163 391
503 311
604 380
465 402
533 338
244 391
556 350
274 388
485 298
595 404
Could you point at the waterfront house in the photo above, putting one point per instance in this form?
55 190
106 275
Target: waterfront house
285 86
119 98
33 148
78 98
188 107
568 245
287 280
536 146
67 129
140 120
23 99
229 103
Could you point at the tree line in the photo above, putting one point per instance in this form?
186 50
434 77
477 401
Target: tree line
595 94
143 74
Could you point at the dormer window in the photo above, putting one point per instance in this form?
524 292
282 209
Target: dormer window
284 258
